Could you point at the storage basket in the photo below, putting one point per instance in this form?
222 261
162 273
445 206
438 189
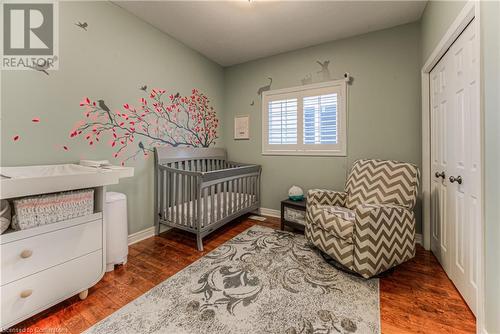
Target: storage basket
294 215
46 209
4 215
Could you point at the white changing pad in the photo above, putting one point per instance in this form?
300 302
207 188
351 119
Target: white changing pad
186 210
48 170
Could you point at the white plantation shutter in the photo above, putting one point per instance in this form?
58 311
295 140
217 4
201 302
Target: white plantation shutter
283 122
306 120
320 119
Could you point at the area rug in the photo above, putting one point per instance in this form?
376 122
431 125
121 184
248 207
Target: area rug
261 281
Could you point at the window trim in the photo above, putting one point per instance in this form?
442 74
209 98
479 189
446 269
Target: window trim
299 148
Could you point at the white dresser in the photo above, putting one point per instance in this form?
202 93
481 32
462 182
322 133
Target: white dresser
42 266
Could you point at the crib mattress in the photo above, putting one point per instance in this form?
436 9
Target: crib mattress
183 213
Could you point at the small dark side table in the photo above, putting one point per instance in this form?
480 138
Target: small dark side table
293 214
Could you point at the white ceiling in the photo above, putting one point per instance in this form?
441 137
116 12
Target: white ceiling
233 32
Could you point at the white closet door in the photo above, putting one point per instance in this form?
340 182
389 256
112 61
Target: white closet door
456 151
440 233
465 196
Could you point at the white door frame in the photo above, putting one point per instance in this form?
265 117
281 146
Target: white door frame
470 11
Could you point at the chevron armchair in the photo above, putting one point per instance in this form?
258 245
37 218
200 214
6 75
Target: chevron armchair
370 226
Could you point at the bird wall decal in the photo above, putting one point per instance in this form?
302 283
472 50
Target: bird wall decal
265 88
46 65
144 88
104 107
325 72
83 25
307 79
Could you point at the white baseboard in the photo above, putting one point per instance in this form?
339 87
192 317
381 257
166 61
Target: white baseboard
141 235
418 238
270 212
150 231
277 214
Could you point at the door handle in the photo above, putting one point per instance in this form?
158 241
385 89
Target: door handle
442 175
457 179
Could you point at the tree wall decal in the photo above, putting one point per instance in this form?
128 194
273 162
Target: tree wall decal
158 120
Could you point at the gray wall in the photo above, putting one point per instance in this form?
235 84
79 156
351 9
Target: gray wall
490 28
111 60
437 17
384 107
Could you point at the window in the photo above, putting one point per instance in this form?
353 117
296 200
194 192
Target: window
306 120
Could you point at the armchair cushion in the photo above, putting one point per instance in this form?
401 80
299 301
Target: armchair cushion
325 197
384 236
336 220
382 181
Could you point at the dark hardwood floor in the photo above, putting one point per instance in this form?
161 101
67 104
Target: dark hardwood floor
416 297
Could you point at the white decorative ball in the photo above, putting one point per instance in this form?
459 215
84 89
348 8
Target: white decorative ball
296 193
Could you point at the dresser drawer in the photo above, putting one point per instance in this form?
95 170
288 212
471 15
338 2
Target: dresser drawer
27 256
32 294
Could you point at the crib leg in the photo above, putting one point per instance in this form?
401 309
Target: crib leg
199 243
157 226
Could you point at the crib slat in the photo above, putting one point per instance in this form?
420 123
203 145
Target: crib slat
254 193
228 197
242 196
167 189
195 201
247 188
224 202
172 196
250 195
188 199
205 206
183 200
233 196
172 199
242 192
212 205
161 190
178 200
219 208
250 192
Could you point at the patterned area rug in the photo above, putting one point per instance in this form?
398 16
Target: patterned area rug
261 281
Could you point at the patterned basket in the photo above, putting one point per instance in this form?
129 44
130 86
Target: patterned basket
294 215
46 209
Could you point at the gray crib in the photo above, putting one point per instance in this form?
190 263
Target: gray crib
198 191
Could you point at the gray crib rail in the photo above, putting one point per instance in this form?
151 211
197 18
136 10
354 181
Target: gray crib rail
198 191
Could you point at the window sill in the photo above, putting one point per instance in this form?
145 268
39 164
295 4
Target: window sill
308 153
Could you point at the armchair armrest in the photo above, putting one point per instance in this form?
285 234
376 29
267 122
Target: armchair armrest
325 197
384 236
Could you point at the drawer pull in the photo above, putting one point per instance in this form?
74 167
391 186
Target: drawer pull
26 293
26 253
